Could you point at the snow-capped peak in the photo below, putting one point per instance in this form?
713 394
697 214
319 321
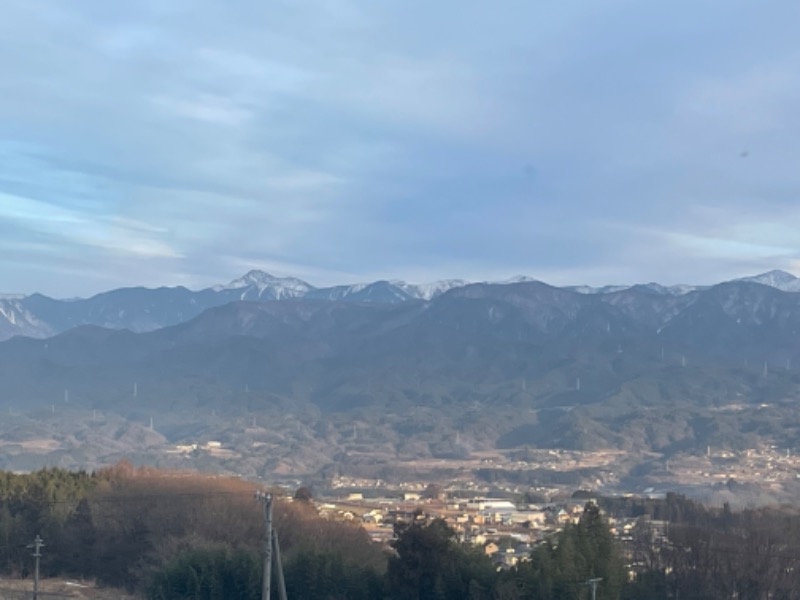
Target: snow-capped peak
266 284
777 279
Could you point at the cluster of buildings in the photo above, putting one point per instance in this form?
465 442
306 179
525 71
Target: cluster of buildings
504 530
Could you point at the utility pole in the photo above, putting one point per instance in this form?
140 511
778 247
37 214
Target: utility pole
266 500
592 583
278 566
37 545
271 548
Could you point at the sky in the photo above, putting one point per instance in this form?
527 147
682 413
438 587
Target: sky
579 142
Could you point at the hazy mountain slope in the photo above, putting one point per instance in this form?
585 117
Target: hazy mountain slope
512 364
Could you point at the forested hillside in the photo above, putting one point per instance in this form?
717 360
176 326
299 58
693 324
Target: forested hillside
178 536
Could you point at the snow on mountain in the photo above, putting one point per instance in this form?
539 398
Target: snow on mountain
656 288
15 319
682 289
335 293
383 292
671 290
519 279
258 285
781 280
606 289
428 291
142 309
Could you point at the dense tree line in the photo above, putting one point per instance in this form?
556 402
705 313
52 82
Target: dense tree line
560 568
428 562
41 503
181 536
208 574
700 552
685 549
681 549
177 536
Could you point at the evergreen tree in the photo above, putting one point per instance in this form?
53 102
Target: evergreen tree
559 569
431 565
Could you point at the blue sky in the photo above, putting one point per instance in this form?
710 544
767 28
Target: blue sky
594 141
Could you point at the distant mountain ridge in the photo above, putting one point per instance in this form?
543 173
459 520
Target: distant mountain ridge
479 366
143 309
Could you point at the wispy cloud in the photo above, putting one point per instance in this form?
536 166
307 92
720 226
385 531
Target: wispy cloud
106 232
341 139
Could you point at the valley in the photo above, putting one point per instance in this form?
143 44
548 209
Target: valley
513 386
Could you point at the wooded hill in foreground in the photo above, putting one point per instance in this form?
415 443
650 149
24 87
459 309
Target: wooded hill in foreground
181 536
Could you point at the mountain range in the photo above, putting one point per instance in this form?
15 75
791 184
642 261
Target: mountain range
404 372
141 309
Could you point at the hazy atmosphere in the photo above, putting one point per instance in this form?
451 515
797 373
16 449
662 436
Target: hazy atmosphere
187 142
399 300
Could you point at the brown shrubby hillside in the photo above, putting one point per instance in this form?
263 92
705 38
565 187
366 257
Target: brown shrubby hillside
122 525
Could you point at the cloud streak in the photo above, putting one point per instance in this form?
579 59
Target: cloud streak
578 141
